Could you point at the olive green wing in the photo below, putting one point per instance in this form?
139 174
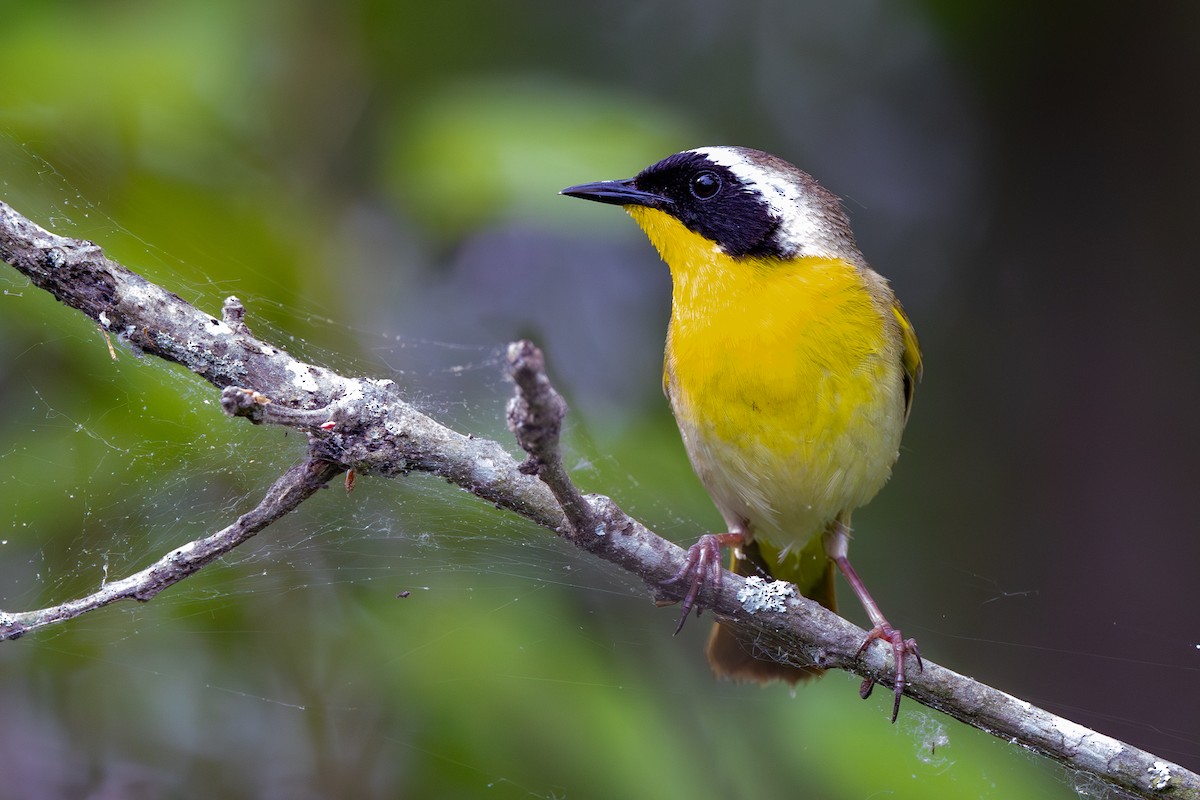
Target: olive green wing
910 358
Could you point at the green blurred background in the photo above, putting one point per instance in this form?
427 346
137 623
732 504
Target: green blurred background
377 182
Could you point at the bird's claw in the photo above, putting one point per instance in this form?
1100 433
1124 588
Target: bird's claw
703 563
900 648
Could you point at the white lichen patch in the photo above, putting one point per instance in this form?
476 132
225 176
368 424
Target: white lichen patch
393 426
352 396
1160 775
483 472
140 296
758 595
218 328
302 376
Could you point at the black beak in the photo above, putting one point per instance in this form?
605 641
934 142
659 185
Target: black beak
617 193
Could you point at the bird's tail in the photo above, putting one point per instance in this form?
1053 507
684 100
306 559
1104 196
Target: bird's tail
740 658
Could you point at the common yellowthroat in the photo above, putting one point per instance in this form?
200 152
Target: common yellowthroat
790 367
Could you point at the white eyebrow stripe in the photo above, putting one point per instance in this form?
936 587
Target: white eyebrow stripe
803 231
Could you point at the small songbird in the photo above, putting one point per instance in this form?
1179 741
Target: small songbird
790 367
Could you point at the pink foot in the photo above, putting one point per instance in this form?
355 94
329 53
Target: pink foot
900 648
703 564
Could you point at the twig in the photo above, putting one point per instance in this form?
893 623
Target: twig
362 424
535 416
290 490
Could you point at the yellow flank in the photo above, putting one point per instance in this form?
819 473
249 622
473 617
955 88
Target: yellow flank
787 379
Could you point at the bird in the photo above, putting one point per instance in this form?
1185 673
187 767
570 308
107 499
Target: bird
790 368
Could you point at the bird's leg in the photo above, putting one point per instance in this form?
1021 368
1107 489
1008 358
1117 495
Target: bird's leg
703 563
836 541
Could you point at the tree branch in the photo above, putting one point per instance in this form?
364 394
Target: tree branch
362 424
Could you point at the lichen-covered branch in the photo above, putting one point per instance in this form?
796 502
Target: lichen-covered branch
363 425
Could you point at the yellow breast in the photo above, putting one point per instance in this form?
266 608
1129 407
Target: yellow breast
785 378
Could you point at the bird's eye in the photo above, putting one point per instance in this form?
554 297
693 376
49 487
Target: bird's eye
705 185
